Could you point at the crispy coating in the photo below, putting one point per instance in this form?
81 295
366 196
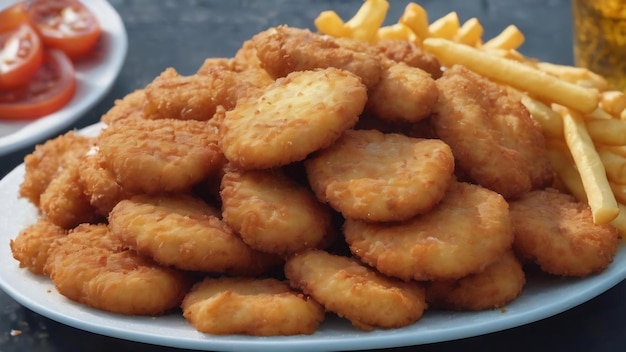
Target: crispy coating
363 296
494 140
500 283
297 115
92 267
273 213
257 307
48 160
154 156
556 232
410 54
129 106
284 49
404 93
374 176
468 230
31 246
185 232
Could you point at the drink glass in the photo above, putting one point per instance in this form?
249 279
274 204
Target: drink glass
600 38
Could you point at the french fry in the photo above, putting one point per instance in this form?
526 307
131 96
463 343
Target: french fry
592 172
619 190
599 114
607 131
577 75
613 102
515 74
445 27
470 32
563 165
550 121
329 22
368 19
398 31
416 18
614 164
510 38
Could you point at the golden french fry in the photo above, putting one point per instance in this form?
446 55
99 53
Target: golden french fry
614 164
592 172
505 53
397 31
577 75
550 121
599 114
510 38
613 102
515 74
619 190
620 221
329 22
563 165
445 27
368 19
470 32
416 18
607 131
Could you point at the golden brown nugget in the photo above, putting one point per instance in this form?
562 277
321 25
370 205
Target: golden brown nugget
185 232
130 106
274 214
500 283
283 50
353 291
154 156
556 232
374 176
294 117
31 246
468 230
410 54
257 307
494 140
93 267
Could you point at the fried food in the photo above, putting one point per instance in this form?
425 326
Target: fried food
31 246
154 156
353 291
273 213
130 106
374 176
500 283
468 230
404 93
185 232
297 115
493 138
258 307
93 267
556 232
283 50
47 161
410 54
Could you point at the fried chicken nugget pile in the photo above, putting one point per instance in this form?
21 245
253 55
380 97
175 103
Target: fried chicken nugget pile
306 176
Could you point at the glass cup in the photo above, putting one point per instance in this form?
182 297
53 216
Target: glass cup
600 38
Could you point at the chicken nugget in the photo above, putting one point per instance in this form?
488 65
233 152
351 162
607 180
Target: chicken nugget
273 213
128 107
410 54
468 230
185 232
91 266
154 156
31 246
500 283
557 232
257 307
495 141
297 115
374 176
351 290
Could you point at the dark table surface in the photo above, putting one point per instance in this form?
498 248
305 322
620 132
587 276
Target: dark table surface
182 33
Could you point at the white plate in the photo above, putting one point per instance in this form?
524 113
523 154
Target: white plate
542 297
95 75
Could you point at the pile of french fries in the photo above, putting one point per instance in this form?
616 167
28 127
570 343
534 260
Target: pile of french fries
583 119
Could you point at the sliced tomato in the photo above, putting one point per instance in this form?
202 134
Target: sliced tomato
67 25
51 88
21 55
12 17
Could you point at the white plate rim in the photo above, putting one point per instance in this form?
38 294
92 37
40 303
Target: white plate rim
94 80
541 299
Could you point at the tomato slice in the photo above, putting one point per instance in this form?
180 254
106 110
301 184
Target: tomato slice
21 55
67 25
12 17
51 88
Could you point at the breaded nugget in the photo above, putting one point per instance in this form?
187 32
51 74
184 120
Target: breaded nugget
284 49
411 54
351 290
468 230
185 232
92 267
297 115
257 307
32 244
154 156
48 159
493 138
211 63
404 93
500 283
556 232
374 176
128 107
273 213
